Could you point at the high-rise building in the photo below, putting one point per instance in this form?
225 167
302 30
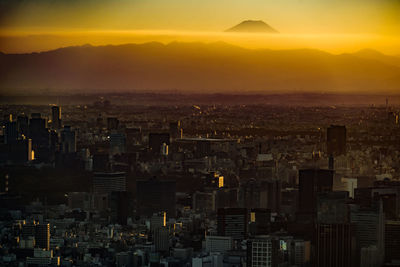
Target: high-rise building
117 143
112 123
370 230
11 132
332 207
23 125
154 195
232 222
56 117
107 182
300 252
156 141
335 245
121 205
68 140
336 140
392 241
260 222
21 151
161 239
42 236
175 129
40 137
312 182
219 244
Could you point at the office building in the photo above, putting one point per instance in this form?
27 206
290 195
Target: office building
23 125
40 137
21 151
232 222
218 244
161 239
56 117
332 207
335 245
260 222
259 252
121 205
370 229
68 140
392 241
312 182
300 252
42 236
112 123
117 143
11 132
107 182
336 140
156 141
154 195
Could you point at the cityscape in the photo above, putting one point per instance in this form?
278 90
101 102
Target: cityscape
176 133
105 184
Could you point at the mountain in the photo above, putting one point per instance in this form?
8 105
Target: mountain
194 67
378 56
252 26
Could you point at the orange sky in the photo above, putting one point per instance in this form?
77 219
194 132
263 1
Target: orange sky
336 26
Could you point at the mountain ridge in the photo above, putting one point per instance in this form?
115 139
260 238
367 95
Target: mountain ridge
195 67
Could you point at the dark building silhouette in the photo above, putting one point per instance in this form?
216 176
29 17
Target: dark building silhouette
260 221
42 236
20 151
56 117
155 196
101 162
112 123
68 140
121 206
107 182
232 222
336 140
332 207
335 245
40 136
312 182
11 132
156 140
392 241
23 125
175 129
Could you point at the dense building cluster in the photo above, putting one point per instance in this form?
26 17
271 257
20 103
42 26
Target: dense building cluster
199 185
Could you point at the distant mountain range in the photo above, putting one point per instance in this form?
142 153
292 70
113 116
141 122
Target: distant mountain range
197 67
252 26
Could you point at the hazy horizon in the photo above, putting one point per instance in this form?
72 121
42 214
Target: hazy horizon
321 46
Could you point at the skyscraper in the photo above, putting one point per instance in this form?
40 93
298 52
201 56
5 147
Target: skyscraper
56 117
42 236
23 125
68 140
370 230
156 140
104 182
232 222
312 182
40 136
155 196
336 140
335 245
117 143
